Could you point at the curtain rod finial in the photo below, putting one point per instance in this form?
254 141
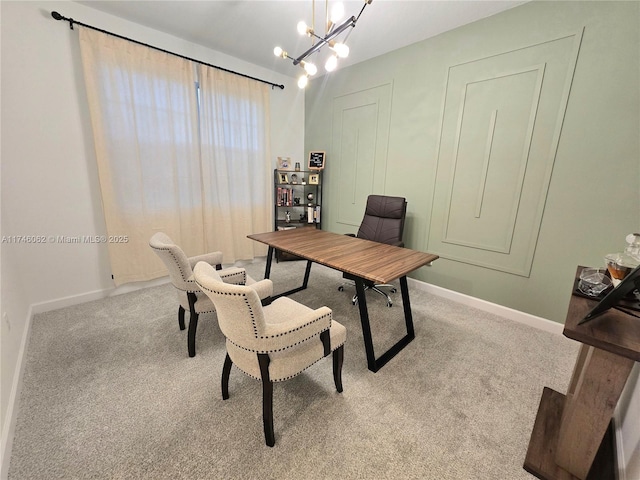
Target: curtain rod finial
57 16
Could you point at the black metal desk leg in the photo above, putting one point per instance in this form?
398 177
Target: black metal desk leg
267 270
374 363
305 282
366 326
306 274
408 318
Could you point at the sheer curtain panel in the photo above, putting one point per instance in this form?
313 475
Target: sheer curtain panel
236 166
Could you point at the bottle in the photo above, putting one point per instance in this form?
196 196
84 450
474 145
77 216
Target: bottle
620 264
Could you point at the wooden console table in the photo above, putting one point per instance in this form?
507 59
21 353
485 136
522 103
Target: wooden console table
570 438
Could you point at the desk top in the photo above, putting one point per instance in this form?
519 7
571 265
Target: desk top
613 331
377 262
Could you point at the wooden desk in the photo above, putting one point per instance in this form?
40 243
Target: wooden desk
366 260
567 437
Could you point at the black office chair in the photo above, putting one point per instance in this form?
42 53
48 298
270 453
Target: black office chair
383 222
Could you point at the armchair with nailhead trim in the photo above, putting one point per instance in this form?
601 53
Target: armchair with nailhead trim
270 343
190 296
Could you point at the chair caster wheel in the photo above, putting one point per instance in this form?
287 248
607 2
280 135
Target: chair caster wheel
389 304
340 288
393 290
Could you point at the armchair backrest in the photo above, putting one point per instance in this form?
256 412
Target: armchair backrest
239 309
383 220
173 258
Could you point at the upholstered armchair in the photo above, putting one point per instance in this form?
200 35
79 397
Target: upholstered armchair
270 343
383 222
189 295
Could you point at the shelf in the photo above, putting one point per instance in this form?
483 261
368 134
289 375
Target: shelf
285 193
541 454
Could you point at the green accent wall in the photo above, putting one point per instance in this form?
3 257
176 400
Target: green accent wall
515 139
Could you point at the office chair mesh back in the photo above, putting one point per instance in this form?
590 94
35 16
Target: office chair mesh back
383 220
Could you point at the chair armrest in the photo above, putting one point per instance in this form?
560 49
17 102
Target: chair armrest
190 285
350 234
233 275
282 335
213 258
238 276
264 288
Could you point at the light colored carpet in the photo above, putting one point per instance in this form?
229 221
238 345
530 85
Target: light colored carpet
109 392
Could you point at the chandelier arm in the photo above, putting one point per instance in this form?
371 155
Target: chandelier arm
361 10
350 22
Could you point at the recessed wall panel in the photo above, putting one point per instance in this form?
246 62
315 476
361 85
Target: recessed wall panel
490 158
356 166
501 124
358 154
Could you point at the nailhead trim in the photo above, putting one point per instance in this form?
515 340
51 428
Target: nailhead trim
255 327
290 376
168 249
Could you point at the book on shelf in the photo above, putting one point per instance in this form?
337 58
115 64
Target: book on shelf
284 197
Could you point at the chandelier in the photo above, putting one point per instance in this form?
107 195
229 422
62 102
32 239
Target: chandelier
332 32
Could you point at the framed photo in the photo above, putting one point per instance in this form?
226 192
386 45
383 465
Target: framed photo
316 160
313 179
284 178
284 163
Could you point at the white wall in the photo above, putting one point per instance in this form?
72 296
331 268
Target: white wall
49 175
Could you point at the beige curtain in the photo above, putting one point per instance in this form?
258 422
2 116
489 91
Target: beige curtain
145 118
237 178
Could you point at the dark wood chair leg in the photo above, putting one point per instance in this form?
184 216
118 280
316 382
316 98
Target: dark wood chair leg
338 359
193 324
191 340
226 371
267 399
181 317
325 338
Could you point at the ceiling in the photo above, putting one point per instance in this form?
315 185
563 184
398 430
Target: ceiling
249 30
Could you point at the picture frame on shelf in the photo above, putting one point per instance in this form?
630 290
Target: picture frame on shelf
284 178
316 160
284 163
313 179
294 179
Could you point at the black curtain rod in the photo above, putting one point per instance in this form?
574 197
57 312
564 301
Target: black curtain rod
71 21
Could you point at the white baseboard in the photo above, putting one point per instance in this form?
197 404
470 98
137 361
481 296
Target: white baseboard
11 415
95 295
505 312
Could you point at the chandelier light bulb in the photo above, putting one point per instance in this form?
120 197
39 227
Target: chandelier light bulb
302 27
277 52
331 64
302 81
310 68
341 50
